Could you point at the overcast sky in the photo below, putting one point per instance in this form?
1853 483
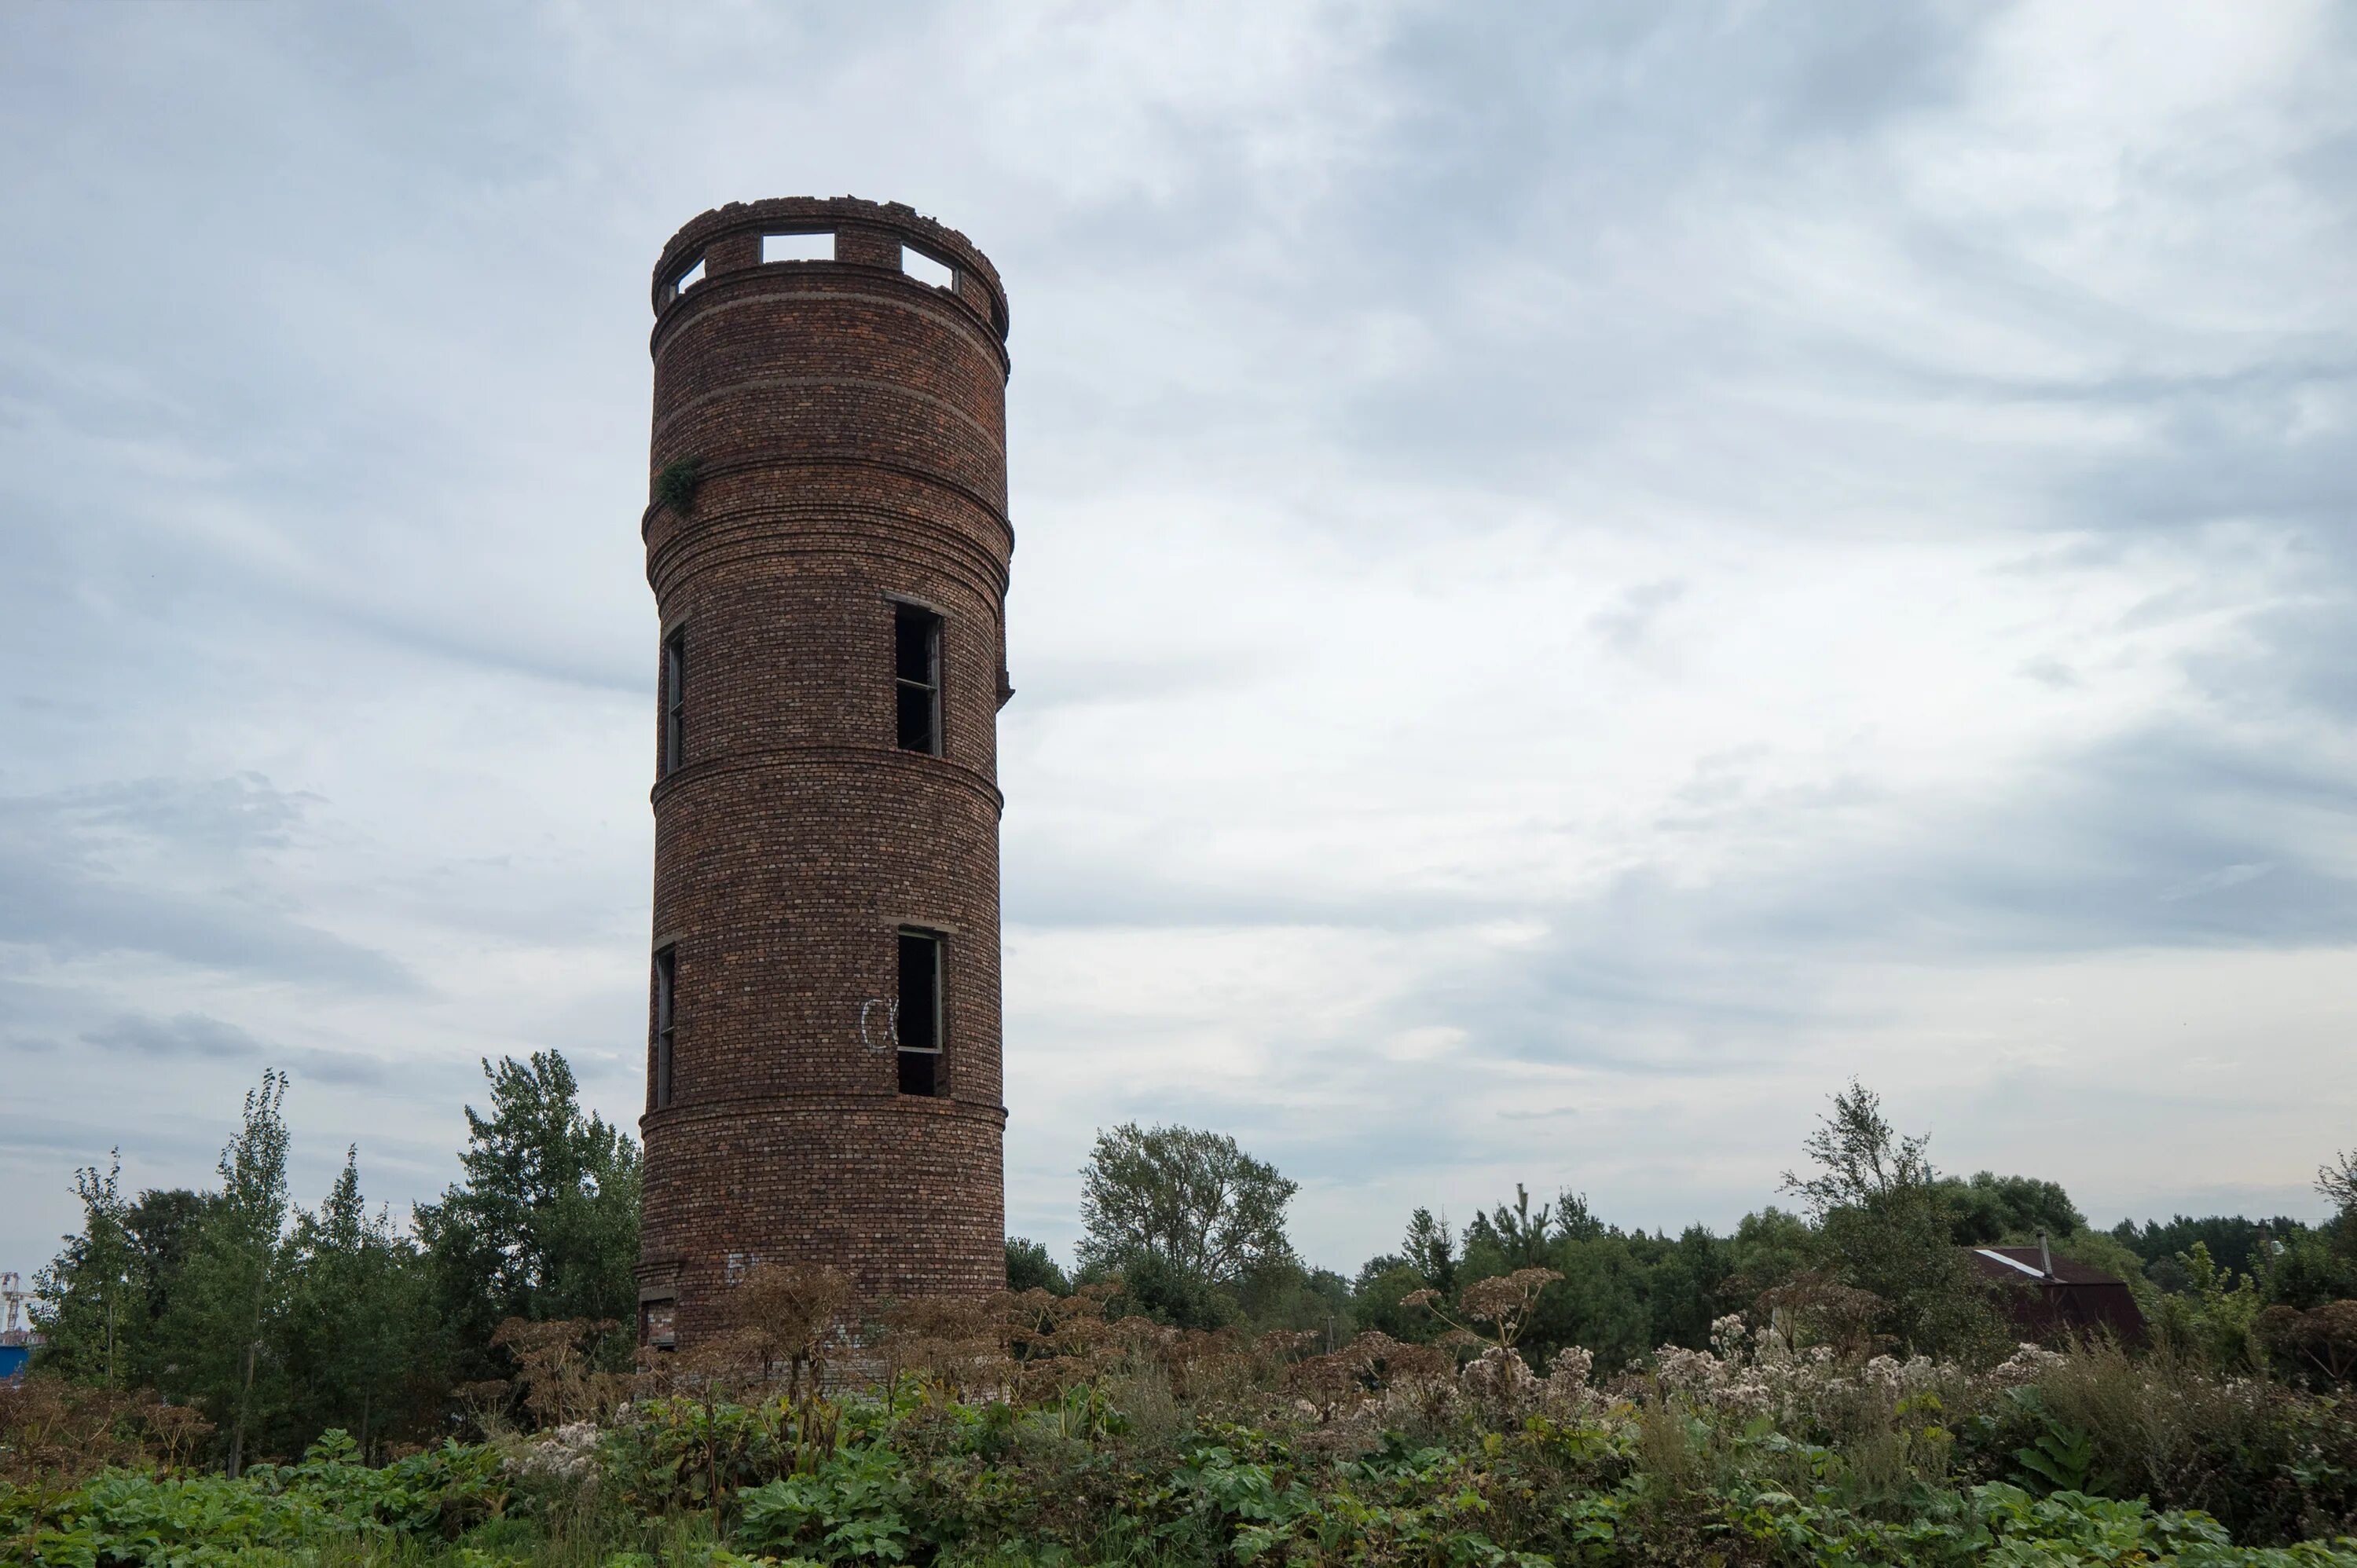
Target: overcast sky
1584 574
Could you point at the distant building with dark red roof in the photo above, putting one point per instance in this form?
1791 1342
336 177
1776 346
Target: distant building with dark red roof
2048 1297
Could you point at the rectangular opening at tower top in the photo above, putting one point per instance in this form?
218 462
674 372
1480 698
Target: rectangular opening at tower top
917 678
798 247
689 278
926 270
918 1017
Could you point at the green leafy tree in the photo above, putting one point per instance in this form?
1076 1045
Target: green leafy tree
224 1315
1771 1247
163 1225
1887 1227
2217 1314
1189 1203
1519 1237
1574 1220
1152 1286
1378 1297
545 1223
1030 1266
1991 1209
1285 1295
357 1331
1685 1292
1430 1249
91 1308
2235 1242
1605 1302
2338 1183
2307 1269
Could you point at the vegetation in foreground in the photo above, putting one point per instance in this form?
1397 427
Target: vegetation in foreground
1035 1430
232 1380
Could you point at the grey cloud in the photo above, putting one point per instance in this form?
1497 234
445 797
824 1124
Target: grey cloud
1053 886
2049 670
2079 857
194 1035
2157 840
190 1034
353 420
1626 625
2296 657
91 871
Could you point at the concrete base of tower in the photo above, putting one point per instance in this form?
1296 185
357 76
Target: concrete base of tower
909 1189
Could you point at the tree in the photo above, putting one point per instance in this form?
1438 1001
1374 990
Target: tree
1191 1201
2235 1242
1858 1156
1029 1266
1431 1250
1887 1228
1379 1294
1685 1288
357 1331
1285 1295
545 1223
2216 1315
163 1225
2305 1270
2338 1183
1770 1247
1574 1220
1519 1236
89 1308
1990 1209
1605 1303
223 1313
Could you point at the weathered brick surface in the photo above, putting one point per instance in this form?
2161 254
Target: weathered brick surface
851 426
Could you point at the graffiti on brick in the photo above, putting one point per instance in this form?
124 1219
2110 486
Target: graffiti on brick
870 1029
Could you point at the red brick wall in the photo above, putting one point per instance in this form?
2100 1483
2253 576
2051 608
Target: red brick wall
851 427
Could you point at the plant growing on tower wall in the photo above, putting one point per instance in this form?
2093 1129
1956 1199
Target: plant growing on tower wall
676 485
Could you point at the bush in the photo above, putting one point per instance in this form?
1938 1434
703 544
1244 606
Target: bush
1042 1431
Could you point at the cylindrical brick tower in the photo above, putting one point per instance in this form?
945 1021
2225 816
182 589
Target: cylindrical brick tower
828 546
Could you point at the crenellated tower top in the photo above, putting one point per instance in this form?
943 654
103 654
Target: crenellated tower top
871 236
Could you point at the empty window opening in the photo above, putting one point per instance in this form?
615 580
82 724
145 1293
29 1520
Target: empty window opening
798 247
666 1021
917 675
674 700
921 1013
689 278
926 270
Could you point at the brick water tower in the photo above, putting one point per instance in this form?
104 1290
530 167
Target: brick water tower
828 545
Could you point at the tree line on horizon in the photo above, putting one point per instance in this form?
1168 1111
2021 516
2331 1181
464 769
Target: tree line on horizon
281 1322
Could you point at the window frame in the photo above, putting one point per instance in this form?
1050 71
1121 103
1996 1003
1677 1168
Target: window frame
937 945
936 633
674 700
665 1029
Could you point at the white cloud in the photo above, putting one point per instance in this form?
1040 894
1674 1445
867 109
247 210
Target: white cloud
1582 575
